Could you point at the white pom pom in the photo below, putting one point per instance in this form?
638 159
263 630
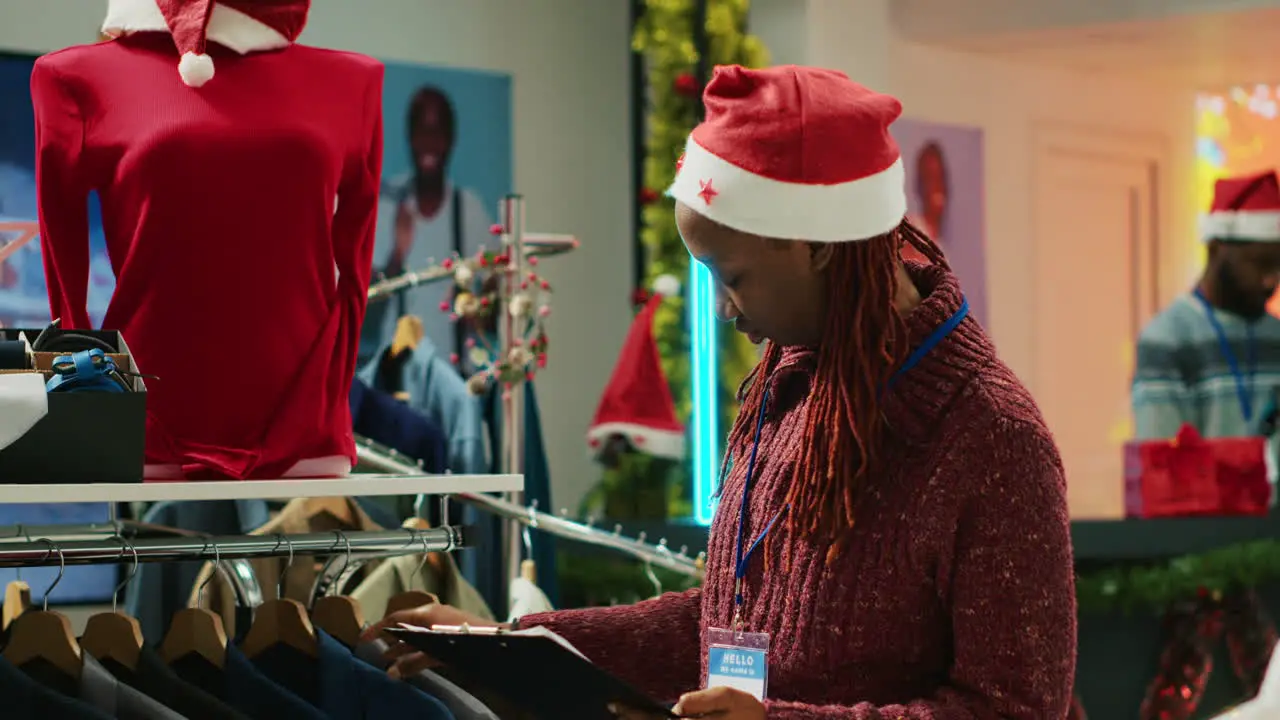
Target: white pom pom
666 285
195 69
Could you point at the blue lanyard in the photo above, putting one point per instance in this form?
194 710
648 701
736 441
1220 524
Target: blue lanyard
741 559
1243 393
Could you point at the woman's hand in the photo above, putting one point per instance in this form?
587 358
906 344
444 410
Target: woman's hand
405 659
720 702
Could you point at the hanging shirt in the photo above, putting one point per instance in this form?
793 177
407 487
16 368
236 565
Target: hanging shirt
99 688
25 698
383 419
245 688
341 685
1183 375
461 703
159 682
226 211
436 390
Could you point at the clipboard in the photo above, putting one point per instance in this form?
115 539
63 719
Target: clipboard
537 671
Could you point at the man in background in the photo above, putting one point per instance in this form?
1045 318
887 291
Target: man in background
424 218
1212 358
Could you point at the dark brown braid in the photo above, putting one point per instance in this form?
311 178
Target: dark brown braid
866 343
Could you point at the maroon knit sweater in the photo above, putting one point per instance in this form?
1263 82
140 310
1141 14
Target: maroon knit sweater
954 597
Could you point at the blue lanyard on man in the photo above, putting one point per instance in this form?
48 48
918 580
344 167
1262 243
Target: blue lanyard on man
1244 390
741 559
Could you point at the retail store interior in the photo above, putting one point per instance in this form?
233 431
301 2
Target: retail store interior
528 284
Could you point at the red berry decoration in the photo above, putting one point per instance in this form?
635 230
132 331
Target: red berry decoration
444 306
686 85
648 196
495 229
447 264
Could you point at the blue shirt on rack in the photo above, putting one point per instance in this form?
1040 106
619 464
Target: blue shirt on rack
341 685
380 417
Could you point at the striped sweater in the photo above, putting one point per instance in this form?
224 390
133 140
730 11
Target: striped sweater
1183 375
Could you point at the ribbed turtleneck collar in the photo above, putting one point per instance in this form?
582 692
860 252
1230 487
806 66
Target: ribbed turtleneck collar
921 395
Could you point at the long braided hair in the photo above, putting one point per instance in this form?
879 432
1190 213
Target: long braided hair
865 345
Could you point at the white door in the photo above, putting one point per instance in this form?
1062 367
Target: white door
1095 270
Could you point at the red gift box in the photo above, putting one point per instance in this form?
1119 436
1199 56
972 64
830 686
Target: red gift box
1190 475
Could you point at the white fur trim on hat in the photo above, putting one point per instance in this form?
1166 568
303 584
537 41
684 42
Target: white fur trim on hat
659 443
666 285
196 69
1241 226
723 192
227 26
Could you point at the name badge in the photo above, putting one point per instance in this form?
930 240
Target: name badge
739 660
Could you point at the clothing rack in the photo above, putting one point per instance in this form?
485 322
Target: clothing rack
535 245
48 552
387 460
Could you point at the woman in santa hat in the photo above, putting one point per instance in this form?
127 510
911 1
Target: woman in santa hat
892 538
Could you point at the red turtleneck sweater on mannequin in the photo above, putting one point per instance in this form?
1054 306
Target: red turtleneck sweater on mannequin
226 210
953 598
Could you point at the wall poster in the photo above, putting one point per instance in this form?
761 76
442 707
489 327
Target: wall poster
945 196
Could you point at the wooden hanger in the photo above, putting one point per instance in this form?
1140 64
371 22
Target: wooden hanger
45 634
339 616
280 622
17 600
410 599
409 332
196 631
114 635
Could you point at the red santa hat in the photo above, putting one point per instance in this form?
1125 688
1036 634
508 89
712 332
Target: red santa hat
1245 209
796 153
637 401
242 25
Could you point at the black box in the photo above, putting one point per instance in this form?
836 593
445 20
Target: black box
86 437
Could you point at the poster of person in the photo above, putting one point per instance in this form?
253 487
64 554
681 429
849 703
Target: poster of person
447 162
945 190
24 300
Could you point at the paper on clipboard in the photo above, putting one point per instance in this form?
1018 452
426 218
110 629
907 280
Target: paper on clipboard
537 631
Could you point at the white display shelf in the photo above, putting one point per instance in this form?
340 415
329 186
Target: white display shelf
365 484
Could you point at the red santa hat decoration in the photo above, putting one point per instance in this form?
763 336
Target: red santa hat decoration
795 153
242 25
1245 209
637 404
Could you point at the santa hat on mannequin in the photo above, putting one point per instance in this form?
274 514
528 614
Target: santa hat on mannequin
637 402
796 153
1245 209
262 23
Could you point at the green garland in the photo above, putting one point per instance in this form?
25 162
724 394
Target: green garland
664 37
1158 586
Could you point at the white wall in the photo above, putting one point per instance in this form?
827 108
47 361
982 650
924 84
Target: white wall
1009 100
570 61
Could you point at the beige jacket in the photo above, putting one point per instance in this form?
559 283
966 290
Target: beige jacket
303 515
438 577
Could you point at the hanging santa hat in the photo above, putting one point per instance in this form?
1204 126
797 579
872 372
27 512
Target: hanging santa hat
1245 209
795 153
242 25
637 402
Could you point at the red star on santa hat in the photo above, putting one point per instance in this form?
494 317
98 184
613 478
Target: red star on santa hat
707 192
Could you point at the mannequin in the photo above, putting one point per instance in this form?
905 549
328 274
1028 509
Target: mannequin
228 202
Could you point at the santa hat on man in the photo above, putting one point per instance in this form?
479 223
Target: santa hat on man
795 153
637 402
242 25
1245 209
